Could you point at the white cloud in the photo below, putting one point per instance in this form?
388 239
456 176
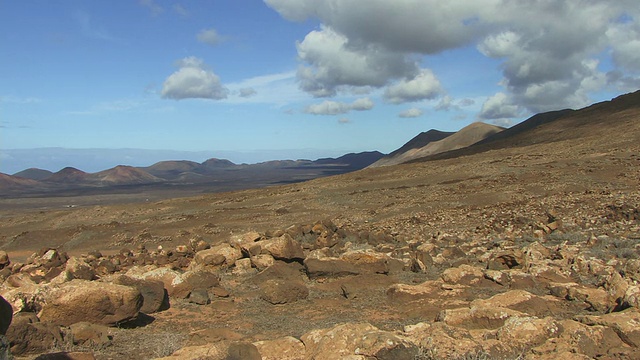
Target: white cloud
279 89
546 48
411 113
247 92
625 40
193 80
329 107
209 36
505 123
422 87
335 64
499 106
362 104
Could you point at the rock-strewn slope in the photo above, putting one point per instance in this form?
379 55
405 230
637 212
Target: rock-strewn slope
525 251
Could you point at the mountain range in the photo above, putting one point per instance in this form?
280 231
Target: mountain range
223 175
217 174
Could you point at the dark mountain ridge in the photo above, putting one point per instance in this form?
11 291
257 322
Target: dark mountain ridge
216 174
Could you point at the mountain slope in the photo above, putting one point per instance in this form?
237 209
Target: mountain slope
615 119
34 174
171 169
123 175
468 135
68 175
15 182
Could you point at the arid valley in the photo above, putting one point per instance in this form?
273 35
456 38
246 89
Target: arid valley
525 245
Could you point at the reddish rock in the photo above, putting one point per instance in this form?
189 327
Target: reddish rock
93 335
285 348
346 340
219 255
91 301
154 296
28 336
283 248
79 269
283 291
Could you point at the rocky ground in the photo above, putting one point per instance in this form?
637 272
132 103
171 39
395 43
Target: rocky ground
526 252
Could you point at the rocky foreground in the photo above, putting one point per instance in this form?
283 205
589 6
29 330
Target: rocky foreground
549 289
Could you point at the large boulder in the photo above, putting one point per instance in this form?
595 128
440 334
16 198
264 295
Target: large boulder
441 341
154 295
94 335
283 248
91 301
223 255
171 279
350 339
477 317
4 259
221 350
283 291
624 323
285 348
27 335
79 269
525 332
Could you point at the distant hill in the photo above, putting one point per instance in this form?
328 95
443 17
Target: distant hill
15 182
34 174
171 169
359 160
218 174
415 149
123 175
605 118
68 175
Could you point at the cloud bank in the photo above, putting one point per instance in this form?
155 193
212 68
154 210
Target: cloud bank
328 107
546 61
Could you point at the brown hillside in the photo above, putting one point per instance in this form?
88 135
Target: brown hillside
68 175
466 136
525 251
15 182
124 175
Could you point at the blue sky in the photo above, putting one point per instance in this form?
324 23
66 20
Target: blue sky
256 80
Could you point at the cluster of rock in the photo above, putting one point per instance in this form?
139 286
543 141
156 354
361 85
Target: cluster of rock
555 299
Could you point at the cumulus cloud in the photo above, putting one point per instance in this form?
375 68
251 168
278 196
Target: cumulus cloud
411 113
209 36
499 106
329 107
422 87
362 104
247 92
547 62
335 64
193 80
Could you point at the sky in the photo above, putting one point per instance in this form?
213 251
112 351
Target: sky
260 80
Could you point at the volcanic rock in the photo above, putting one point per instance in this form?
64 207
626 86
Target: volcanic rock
95 302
